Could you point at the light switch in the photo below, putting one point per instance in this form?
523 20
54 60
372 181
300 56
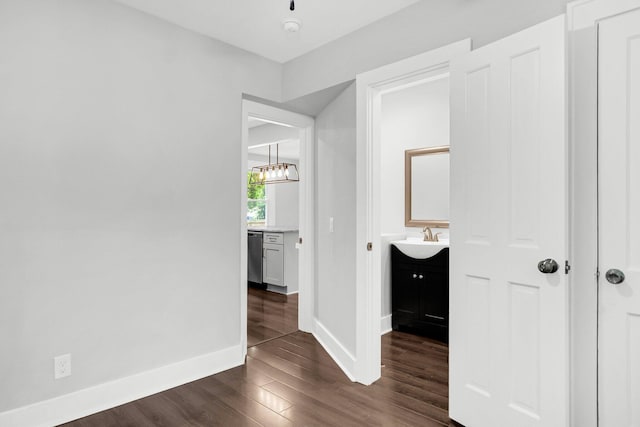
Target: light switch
331 224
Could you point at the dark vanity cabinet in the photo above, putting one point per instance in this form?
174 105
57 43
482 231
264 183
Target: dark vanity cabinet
420 294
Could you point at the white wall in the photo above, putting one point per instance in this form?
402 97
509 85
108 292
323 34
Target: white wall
419 28
385 269
118 245
336 197
287 204
414 117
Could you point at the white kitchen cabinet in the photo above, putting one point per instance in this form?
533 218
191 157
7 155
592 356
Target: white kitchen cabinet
280 261
273 264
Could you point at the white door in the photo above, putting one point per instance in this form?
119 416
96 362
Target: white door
619 220
509 341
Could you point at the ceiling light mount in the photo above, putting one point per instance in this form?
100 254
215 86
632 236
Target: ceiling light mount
291 25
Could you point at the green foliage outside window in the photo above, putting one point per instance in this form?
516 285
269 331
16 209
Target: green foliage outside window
256 202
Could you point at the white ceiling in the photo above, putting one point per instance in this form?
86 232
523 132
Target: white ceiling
288 149
264 134
252 122
256 25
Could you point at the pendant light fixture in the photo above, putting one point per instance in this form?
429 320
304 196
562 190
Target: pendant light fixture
275 173
291 25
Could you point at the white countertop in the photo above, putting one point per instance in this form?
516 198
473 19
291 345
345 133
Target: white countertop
419 249
276 229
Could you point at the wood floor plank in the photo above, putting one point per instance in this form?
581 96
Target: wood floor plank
326 368
257 393
206 409
417 393
105 418
249 373
284 376
305 345
292 381
293 369
160 411
411 404
241 403
318 408
384 412
431 385
270 315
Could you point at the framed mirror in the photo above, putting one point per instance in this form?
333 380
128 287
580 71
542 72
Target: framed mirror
426 187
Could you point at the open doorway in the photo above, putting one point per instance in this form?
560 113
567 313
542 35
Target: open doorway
382 182
277 225
273 207
414 219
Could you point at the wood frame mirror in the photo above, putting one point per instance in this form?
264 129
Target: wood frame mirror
411 188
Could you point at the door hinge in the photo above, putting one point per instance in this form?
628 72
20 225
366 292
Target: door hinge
300 240
567 267
369 246
598 274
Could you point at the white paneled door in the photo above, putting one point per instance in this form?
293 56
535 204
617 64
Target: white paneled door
509 341
619 220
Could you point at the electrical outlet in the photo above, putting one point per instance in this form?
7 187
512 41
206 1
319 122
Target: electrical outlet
62 366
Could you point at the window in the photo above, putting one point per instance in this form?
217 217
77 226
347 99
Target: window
256 203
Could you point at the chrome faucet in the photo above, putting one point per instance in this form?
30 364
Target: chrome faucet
429 236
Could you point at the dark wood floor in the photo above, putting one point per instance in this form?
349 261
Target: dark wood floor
270 315
292 381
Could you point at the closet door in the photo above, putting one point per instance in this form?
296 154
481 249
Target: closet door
509 341
619 220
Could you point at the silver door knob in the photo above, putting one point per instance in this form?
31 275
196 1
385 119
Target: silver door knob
548 266
615 276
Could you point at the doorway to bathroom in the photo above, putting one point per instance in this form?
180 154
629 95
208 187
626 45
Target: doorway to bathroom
508 299
414 196
402 107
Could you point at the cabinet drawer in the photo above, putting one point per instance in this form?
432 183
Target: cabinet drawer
273 238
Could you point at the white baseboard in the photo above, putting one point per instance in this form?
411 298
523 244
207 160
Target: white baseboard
343 358
385 324
94 399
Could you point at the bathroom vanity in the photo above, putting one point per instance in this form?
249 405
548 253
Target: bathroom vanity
420 288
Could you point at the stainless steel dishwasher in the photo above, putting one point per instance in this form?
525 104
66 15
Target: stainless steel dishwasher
254 257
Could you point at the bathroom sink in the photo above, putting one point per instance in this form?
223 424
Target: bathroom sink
418 248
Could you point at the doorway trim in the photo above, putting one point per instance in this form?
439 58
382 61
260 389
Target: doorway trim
370 87
306 254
